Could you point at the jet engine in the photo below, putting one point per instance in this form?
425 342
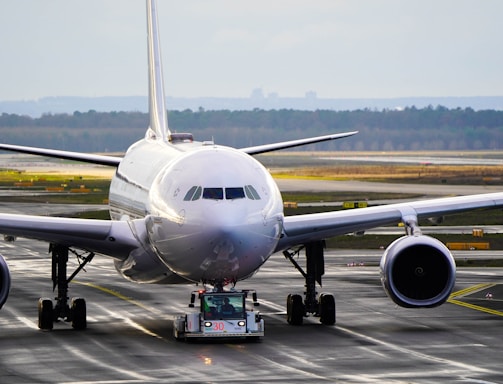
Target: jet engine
418 271
4 281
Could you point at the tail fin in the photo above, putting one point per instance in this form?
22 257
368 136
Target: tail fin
157 107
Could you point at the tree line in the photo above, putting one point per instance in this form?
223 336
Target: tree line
431 128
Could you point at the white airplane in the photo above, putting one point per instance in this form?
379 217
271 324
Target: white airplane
195 212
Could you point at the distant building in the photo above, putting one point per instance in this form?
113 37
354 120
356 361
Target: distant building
257 94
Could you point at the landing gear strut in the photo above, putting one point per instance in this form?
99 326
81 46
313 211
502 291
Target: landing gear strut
76 311
324 306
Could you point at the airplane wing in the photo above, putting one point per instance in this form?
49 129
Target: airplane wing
67 155
113 238
302 229
294 143
114 161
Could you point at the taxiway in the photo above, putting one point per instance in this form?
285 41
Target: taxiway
129 340
293 185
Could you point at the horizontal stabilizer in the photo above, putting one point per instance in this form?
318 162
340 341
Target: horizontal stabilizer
67 155
294 143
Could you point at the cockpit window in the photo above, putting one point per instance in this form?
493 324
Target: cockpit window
197 194
251 193
194 193
234 193
213 193
190 194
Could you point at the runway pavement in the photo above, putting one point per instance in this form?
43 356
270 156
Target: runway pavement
129 340
49 209
291 185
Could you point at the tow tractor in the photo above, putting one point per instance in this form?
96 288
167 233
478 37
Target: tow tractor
221 314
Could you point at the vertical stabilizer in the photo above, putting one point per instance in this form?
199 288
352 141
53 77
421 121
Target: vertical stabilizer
157 106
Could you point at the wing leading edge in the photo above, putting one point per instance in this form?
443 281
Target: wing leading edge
113 238
294 143
114 161
67 155
302 229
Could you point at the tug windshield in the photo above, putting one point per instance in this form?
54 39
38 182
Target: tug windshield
223 306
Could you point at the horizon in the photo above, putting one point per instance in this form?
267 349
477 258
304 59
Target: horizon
273 95
310 102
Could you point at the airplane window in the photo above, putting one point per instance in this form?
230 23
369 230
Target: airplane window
251 193
248 193
213 193
234 193
190 194
194 193
197 194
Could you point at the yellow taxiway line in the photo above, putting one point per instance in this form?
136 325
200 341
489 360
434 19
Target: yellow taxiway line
467 291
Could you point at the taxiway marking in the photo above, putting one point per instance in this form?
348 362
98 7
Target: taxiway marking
470 290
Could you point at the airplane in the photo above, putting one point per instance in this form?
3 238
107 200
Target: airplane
185 211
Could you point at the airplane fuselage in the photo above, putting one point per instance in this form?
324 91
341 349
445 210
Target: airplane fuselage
214 214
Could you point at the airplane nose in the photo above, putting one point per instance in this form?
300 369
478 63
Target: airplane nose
229 230
217 246
216 215
226 217
235 248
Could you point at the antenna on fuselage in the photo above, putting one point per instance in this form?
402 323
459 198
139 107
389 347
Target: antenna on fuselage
158 128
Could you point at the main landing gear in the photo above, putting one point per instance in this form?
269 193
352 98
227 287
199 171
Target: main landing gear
324 306
76 311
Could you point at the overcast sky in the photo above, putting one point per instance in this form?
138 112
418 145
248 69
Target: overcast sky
226 48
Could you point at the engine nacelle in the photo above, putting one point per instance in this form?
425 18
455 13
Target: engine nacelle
418 271
4 281
143 266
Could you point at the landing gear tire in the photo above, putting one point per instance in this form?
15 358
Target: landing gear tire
78 313
45 314
327 309
75 312
295 310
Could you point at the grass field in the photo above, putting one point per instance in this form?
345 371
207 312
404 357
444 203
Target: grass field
54 187
430 174
314 165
